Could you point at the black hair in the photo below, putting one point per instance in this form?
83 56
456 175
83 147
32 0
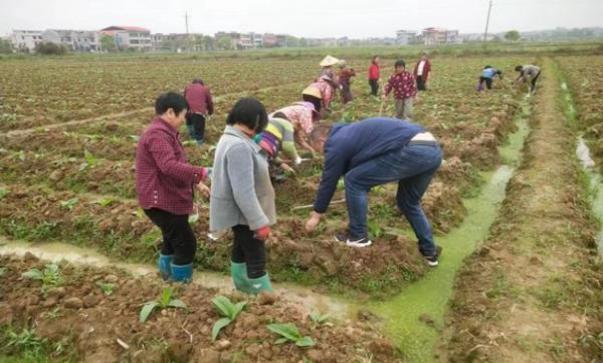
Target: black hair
486 67
519 68
280 115
400 63
172 100
249 112
198 81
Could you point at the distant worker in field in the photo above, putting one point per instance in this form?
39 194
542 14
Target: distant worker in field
374 75
488 74
421 72
165 183
303 116
402 83
201 105
373 152
242 197
528 73
327 64
320 93
279 135
345 80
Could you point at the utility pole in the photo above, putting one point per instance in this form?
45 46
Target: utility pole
186 21
488 21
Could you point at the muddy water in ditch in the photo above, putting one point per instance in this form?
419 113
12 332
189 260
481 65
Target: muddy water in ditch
414 318
58 251
595 184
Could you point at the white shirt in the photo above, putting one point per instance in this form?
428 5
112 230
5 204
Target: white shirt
420 68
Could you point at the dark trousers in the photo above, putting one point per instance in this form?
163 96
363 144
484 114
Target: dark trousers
178 237
196 126
317 102
421 84
533 83
374 86
487 80
247 249
346 92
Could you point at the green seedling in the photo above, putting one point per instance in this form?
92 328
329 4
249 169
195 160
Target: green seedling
319 318
26 341
107 288
69 203
229 312
374 229
290 333
166 301
2 271
105 202
50 277
3 192
90 160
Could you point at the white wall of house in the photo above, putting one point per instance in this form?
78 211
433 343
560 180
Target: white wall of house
26 39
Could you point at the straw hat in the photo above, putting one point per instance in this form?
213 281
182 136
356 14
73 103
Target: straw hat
328 61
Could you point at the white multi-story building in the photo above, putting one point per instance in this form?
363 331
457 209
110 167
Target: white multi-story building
26 40
434 36
130 37
75 40
405 37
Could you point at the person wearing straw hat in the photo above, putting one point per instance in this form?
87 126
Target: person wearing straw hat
327 64
320 93
302 116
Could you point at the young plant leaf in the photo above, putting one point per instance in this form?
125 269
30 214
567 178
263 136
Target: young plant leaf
166 296
33 274
177 303
224 305
305 342
147 309
218 326
288 331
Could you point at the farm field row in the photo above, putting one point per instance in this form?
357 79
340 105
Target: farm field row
76 183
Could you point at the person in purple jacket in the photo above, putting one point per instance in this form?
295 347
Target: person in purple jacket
373 152
165 183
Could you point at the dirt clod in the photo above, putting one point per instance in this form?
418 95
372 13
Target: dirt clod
73 303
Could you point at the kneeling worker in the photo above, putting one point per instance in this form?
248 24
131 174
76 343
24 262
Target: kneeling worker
373 152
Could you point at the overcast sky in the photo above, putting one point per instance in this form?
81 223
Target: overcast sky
308 18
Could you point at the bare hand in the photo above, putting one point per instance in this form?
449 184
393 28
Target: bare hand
203 189
287 168
313 221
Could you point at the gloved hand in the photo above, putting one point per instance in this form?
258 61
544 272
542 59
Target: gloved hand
298 160
262 233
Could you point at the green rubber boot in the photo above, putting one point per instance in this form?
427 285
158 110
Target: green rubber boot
260 284
238 271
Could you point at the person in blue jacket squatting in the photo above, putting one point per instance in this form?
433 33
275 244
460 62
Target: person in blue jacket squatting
372 152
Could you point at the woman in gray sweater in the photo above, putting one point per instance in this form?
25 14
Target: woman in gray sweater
242 197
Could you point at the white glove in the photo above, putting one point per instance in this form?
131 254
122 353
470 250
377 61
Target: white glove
298 160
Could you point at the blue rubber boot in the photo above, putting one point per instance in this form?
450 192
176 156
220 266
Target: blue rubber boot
260 284
182 273
163 263
238 271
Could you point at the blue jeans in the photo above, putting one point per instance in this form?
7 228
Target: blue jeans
412 167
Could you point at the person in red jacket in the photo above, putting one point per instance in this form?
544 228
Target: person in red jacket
373 75
165 183
201 105
422 70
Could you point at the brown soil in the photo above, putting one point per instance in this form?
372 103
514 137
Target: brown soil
532 292
93 321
